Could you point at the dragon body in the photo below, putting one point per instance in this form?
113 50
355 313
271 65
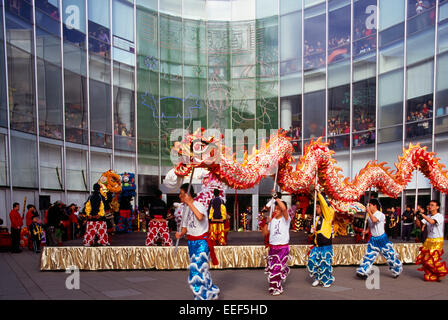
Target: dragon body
317 162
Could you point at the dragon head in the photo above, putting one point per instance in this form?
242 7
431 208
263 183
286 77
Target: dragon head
195 151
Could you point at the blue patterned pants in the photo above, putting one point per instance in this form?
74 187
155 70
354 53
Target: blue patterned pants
375 246
320 264
199 277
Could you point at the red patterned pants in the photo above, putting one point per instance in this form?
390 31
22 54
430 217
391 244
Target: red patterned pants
96 228
158 229
217 233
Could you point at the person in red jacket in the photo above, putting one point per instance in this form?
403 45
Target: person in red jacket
16 225
29 220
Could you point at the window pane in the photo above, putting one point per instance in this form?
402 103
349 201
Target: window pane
49 86
75 108
76 171
51 176
47 15
3 102
24 168
21 86
442 94
364 112
339 31
123 20
315 38
364 26
339 117
314 111
124 119
391 13
100 114
390 98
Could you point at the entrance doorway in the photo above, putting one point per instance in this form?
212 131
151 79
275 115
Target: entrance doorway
242 202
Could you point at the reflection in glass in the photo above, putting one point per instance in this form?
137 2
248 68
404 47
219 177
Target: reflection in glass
390 112
21 88
314 114
364 112
339 31
75 108
442 94
3 102
419 111
314 44
24 168
49 99
339 117
364 27
51 176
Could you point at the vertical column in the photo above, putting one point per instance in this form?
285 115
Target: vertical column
36 96
377 77
158 77
255 210
351 88
303 77
135 104
436 49
8 115
64 152
326 71
89 173
111 19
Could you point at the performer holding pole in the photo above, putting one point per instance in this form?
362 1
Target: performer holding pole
378 243
430 256
183 211
195 225
277 228
320 257
367 216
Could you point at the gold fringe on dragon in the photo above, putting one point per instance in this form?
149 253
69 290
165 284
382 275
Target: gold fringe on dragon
210 153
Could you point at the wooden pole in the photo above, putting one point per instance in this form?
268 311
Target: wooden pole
367 215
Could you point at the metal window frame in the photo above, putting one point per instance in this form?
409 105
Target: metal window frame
89 167
63 151
8 115
434 100
36 97
135 105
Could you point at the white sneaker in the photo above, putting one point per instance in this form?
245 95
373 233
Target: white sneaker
315 283
276 293
327 285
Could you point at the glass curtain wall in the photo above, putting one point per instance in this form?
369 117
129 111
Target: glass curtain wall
291 71
364 83
314 64
75 71
100 73
420 70
3 94
148 120
339 35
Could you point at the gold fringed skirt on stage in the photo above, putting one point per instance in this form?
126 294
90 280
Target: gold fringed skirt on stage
162 258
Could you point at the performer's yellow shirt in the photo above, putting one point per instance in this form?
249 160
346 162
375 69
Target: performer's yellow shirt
328 213
223 212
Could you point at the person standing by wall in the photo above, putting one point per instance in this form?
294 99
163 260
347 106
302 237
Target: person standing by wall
16 226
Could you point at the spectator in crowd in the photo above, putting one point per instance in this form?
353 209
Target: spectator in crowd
16 226
408 223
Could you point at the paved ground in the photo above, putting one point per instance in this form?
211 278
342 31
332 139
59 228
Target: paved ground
21 279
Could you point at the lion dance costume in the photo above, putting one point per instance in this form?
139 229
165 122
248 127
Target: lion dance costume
217 216
430 256
96 223
158 226
379 243
320 259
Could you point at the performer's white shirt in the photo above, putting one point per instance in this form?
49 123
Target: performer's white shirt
435 230
279 231
270 203
194 226
377 229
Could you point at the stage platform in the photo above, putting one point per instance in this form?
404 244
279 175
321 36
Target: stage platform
244 250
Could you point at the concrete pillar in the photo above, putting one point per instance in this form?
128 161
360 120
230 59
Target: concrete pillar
255 211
